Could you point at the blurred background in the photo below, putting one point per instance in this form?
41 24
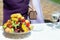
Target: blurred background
1 12
48 7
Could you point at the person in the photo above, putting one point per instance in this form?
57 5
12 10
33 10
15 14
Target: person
37 7
15 6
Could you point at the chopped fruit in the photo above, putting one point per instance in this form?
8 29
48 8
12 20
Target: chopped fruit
19 19
26 21
14 19
10 26
17 23
19 16
4 27
13 16
25 28
17 30
28 24
12 30
23 20
9 21
7 30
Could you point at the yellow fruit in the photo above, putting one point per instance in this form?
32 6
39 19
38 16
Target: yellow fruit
25 28
7 30
22 17
16 15
13 15
27 21
9 22
14 19
11 30
19 15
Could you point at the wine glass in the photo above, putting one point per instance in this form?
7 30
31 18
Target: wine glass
58 25
55 17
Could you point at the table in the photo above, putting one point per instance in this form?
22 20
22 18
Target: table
40 32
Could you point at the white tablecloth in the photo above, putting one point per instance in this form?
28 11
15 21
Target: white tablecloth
40 32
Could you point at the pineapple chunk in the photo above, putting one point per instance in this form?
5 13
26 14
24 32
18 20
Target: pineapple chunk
14 19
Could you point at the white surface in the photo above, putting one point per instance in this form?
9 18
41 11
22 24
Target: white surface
40 32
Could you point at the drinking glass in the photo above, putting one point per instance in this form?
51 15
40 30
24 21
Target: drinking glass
55 16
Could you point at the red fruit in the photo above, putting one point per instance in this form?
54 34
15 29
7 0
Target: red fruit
10 26
17 22
23 20
16 30
27 24
19 19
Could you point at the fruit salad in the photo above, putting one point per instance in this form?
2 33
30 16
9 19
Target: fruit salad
16 24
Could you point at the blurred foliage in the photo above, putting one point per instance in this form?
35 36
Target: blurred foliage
56 1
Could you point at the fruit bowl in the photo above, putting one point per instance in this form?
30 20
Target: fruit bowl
17 24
